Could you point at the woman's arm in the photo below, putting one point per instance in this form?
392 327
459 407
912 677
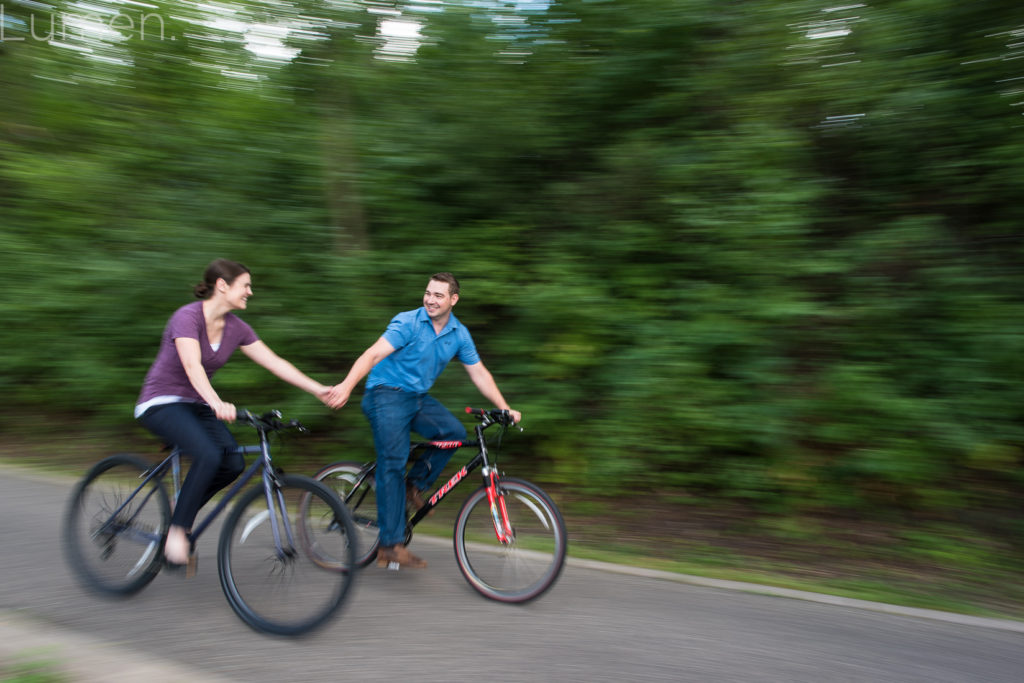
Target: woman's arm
192 361
261 354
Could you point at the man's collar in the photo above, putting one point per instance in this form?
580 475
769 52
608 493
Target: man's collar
451 324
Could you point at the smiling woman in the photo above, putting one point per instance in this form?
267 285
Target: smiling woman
179 404
220 269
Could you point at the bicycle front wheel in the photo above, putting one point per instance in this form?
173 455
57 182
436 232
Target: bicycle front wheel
527 564
114 527
268 576
357 487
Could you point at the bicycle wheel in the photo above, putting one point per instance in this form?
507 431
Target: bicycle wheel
114 530
274 585
527 566
359 492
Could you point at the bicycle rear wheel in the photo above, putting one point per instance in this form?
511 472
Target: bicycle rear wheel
358 489
114 530
268 577
530 563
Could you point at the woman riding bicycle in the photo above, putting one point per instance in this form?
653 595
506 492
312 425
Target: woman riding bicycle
179 405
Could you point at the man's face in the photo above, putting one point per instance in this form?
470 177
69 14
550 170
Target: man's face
437 299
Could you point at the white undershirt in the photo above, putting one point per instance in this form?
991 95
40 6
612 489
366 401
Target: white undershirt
158 401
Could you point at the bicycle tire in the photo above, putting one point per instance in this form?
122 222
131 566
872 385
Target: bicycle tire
284 592
116 555
524 569
360 497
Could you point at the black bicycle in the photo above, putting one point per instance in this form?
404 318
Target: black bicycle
118 516
510 539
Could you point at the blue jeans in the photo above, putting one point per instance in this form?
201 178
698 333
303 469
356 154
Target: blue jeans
216 462
393 415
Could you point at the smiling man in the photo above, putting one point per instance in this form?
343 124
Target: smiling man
403 365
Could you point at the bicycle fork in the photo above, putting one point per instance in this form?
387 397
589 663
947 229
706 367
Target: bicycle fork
276 515
275 504
499 512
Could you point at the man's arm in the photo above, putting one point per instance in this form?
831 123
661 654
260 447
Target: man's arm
339 393
485 383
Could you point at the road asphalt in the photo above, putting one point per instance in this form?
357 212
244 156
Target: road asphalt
27 641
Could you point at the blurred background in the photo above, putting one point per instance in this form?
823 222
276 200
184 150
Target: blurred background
752 271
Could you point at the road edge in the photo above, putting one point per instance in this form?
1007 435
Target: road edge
29 644
824 598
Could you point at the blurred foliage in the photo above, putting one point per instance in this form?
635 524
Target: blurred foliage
762 252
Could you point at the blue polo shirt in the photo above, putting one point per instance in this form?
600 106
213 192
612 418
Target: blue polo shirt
420 355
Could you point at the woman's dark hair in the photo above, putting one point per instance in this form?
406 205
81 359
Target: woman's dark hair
217 270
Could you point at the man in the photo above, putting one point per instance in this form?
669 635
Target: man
402 366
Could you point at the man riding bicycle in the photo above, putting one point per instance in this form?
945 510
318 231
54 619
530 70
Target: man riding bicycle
403 365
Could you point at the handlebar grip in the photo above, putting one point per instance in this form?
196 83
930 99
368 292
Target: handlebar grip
269 420
501 416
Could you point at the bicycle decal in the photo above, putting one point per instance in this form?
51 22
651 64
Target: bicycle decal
447 444
441 492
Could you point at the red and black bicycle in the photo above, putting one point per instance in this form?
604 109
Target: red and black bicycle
510 539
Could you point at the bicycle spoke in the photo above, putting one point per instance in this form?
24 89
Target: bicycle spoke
144 561
272 581
112 537
522 567
358 491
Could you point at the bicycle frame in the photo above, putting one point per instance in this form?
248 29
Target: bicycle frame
499 513
262 462
173 462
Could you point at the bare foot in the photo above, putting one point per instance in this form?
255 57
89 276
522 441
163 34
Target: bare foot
177 548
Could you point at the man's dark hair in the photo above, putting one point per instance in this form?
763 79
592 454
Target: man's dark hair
453 284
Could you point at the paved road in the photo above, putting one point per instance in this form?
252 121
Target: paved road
595 625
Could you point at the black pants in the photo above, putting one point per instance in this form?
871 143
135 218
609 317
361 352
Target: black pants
195 429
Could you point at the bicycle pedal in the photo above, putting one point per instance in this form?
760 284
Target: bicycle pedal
393 566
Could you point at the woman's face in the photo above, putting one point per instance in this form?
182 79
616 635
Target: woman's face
238 292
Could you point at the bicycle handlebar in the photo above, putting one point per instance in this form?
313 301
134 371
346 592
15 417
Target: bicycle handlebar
491 416
270 421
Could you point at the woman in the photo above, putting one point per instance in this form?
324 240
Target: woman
179 404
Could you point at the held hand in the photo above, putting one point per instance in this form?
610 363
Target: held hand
516 415
337 396
324 394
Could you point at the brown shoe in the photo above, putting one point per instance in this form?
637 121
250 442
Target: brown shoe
398 556
413 499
